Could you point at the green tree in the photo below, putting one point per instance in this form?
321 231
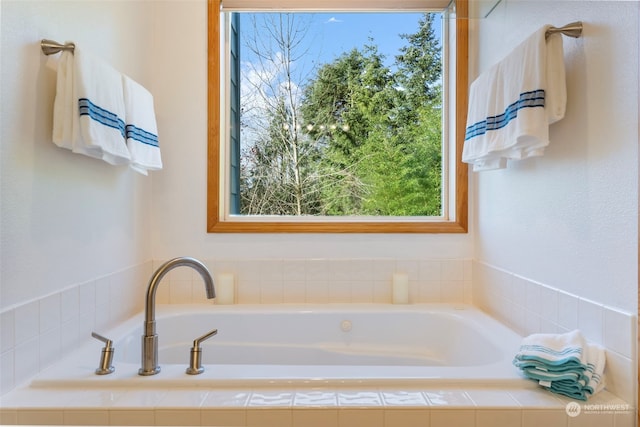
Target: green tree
420 64
362 139
389 161
346 104
418 124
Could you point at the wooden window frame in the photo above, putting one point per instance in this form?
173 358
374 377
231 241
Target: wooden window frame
216 224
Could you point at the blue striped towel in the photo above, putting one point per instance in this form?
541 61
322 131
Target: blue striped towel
140 127
89 109
563 363
512 104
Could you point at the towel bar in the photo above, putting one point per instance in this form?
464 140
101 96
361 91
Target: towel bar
572 30
49 47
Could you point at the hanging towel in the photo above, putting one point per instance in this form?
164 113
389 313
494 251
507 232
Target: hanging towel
140 127
89 109
65 112
563 363
512 104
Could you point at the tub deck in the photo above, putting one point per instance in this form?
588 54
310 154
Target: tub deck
283 406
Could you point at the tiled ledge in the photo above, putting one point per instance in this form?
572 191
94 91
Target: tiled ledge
38 333
530 307
434 407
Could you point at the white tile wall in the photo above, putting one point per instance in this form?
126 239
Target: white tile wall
498 417
41 417
544 417
447 418
312 407
530 307
27 322
314 417
277 281
407 417
224 417
132 417
86 418
38 333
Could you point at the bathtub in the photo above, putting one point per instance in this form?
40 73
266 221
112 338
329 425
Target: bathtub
305 345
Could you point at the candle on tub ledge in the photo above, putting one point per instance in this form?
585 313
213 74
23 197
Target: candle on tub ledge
400 286
225 289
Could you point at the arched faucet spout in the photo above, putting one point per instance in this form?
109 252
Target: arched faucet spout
150 338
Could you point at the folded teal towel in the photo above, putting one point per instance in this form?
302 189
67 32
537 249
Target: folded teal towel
563 363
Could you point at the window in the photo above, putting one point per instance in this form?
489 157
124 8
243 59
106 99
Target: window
224 155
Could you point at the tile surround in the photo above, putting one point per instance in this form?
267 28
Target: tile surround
262 281
38 333
529 307
321 407
64 319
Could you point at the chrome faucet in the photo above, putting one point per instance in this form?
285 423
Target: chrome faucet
150 338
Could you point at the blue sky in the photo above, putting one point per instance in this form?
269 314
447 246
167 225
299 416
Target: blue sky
335 33
342 32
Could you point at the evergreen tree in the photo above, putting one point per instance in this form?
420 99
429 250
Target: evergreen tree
361 140
420 64
419 118
345 105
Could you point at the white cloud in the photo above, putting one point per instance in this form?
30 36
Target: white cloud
333 20
263 83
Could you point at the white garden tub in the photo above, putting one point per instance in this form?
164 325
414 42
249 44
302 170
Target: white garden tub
305 345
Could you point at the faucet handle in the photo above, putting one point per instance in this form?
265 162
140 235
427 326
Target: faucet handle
195 365
197 341
106 357
99 337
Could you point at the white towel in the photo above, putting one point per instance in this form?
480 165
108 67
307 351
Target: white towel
559 350
141 127
88 111
512 104
65 112
596 360
563 363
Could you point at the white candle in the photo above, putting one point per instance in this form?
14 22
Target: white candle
400 286
225 289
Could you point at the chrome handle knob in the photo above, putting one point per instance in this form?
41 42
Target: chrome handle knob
195 365
99 337
197 341
106 358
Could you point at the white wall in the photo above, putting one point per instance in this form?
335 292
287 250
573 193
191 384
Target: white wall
570 219
179 194
65 218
